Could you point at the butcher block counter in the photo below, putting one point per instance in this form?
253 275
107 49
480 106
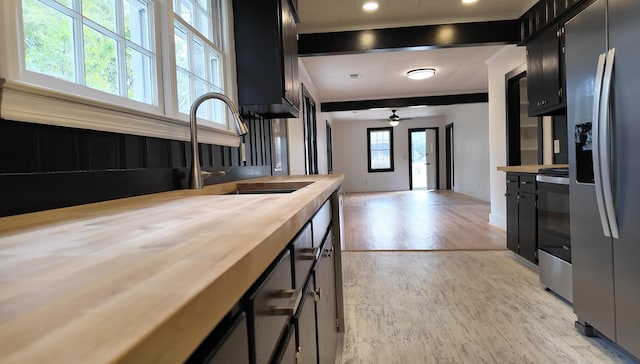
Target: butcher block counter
530 168
142 279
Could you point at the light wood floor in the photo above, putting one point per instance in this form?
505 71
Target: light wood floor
419 220
457 307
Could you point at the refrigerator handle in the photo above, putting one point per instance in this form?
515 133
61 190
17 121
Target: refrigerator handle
605 145
595 136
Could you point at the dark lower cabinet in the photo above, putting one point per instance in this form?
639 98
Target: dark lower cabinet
289 315
326 305
228 343
270 308
528 226
522 215
288 353
305 321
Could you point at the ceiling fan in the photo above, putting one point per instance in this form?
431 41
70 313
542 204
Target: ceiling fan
394 119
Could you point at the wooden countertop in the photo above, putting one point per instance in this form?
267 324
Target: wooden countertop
142 279
531 168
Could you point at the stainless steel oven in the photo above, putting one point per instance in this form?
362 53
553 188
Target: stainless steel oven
554 231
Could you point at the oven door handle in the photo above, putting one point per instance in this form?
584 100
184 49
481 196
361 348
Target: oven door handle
595 133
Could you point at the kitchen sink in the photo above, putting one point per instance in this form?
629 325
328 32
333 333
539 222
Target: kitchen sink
268 187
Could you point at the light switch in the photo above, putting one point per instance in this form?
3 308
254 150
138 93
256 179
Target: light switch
556 146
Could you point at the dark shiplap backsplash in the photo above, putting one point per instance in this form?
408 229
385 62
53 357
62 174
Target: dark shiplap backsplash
44 167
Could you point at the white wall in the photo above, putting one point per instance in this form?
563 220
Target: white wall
350 154
471 150
500 64
295 131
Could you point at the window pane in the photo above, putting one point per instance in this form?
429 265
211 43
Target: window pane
48 38
215 70
380 150
136 22
184 9
101 61
200 88
182 52
204 4
198 59
203 23
139 85
184 99
102 12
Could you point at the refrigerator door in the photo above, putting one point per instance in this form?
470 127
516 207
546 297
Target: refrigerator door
591 251
624 31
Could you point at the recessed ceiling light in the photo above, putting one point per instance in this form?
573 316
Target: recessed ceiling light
421 73
370 5
469 1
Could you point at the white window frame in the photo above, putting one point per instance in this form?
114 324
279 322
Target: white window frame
82 107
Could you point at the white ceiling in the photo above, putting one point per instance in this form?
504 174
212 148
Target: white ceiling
317 16
381 75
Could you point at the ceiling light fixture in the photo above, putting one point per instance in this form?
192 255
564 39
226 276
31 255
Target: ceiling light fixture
370 6
469 1
394 122
421 73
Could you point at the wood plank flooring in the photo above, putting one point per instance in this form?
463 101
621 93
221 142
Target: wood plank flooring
419 220
458 307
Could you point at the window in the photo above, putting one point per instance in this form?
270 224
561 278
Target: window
103 45
380 149
131 66
198 53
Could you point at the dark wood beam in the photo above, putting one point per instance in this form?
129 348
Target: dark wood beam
405 102
406 38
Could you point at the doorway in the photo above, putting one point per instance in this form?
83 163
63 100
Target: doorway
449 156
423 159
310 132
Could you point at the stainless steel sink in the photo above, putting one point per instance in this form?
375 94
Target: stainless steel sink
268 188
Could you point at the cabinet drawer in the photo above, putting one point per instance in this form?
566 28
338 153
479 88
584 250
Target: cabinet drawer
270 308
528 183
304 254
513 181
320 223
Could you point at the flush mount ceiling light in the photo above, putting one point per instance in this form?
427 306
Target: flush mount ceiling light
421 73
370 6
469 1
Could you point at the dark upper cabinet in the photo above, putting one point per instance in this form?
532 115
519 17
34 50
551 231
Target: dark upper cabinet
544 84
267 57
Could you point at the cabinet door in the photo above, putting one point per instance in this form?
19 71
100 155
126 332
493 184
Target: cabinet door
290 55
228 343
543 73
527 227
266 321
287 353
512 220
326 306
306 326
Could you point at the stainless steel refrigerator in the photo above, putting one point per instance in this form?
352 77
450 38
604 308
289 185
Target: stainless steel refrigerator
603 109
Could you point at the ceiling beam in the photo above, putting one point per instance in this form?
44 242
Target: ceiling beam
410 38
405 102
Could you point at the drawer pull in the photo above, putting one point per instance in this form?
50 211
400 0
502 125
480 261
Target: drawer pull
294 296
309 253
